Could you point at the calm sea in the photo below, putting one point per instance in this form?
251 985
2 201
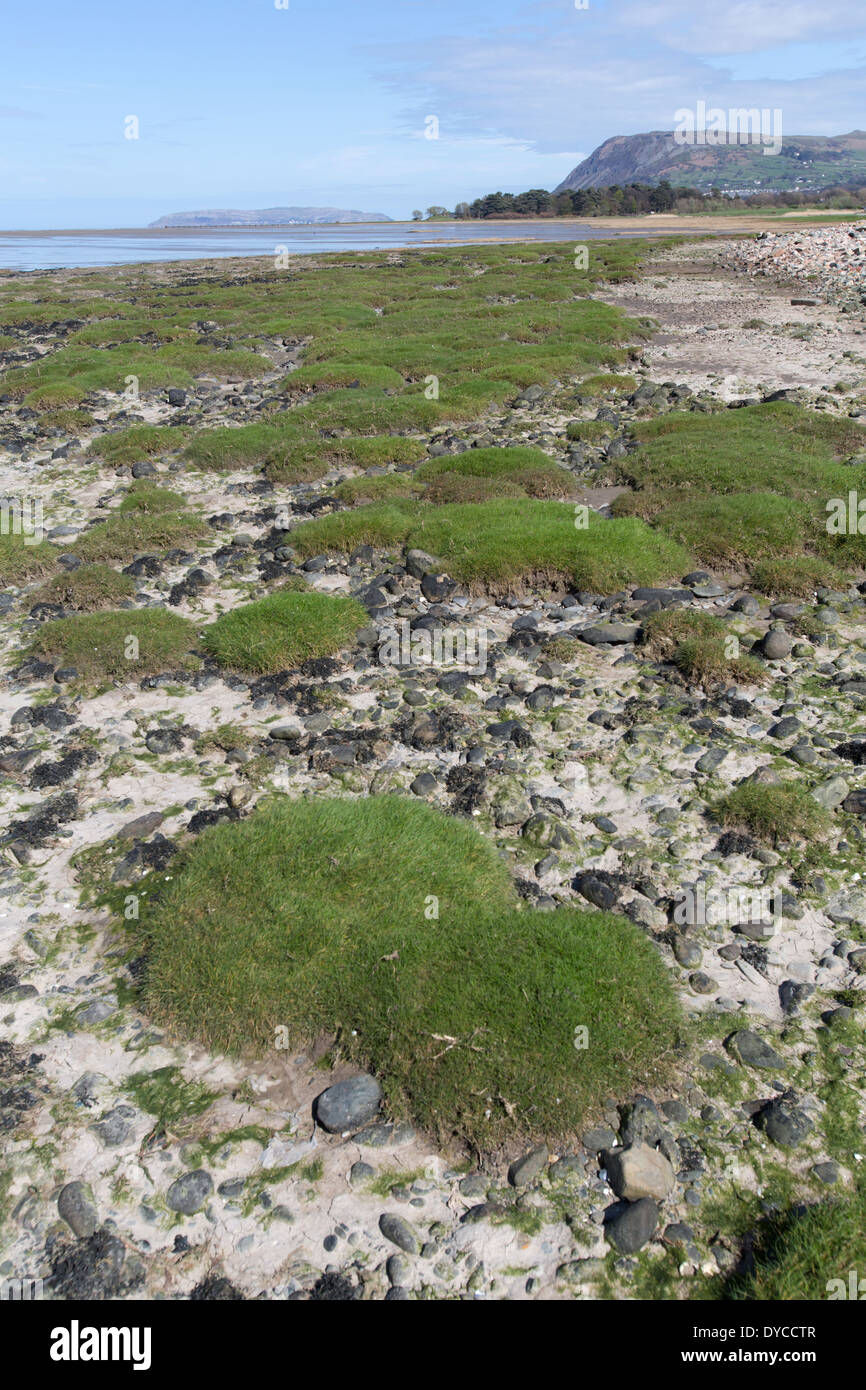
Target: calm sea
66 250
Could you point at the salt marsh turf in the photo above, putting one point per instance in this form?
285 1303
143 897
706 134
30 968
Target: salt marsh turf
248 857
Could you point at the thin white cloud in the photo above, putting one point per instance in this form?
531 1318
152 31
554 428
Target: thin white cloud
745 26
587 85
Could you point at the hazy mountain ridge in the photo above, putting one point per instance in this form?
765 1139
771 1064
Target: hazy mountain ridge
266 217
809 161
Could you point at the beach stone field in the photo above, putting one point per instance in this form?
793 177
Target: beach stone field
332 743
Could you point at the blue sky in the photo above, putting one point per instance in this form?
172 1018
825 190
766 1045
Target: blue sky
243 104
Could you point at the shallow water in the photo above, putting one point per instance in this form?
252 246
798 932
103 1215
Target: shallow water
67 250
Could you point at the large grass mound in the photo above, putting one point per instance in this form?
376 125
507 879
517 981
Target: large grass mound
282 630
315 915
507 543
119 645
750 488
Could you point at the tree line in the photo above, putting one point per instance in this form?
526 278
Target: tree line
633 199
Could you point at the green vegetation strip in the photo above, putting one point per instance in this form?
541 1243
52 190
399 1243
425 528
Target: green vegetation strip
506 544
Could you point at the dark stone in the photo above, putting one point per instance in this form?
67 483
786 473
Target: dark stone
189 1193
629 1225
525 1170
783 1121
753 1051
348 1105
396 1229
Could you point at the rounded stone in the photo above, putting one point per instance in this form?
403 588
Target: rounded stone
78 1209
189 1192
348 1105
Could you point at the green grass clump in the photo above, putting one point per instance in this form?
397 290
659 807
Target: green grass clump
20 562
227 448
50 308
149 518
69 421
385 525
468 487
772 813
381 487
313 915
147 498
66 376
138 442
532 472
506 544
695 642
565 649
87 589
777 447
278 632
729 530
318 456
749 488
119 646
290 453
798 1251
796 576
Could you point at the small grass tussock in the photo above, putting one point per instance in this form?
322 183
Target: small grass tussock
149 518
771 813
697 644
122 645
277 633
20 562
88 589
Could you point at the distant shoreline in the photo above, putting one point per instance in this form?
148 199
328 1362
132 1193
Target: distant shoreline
639 222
